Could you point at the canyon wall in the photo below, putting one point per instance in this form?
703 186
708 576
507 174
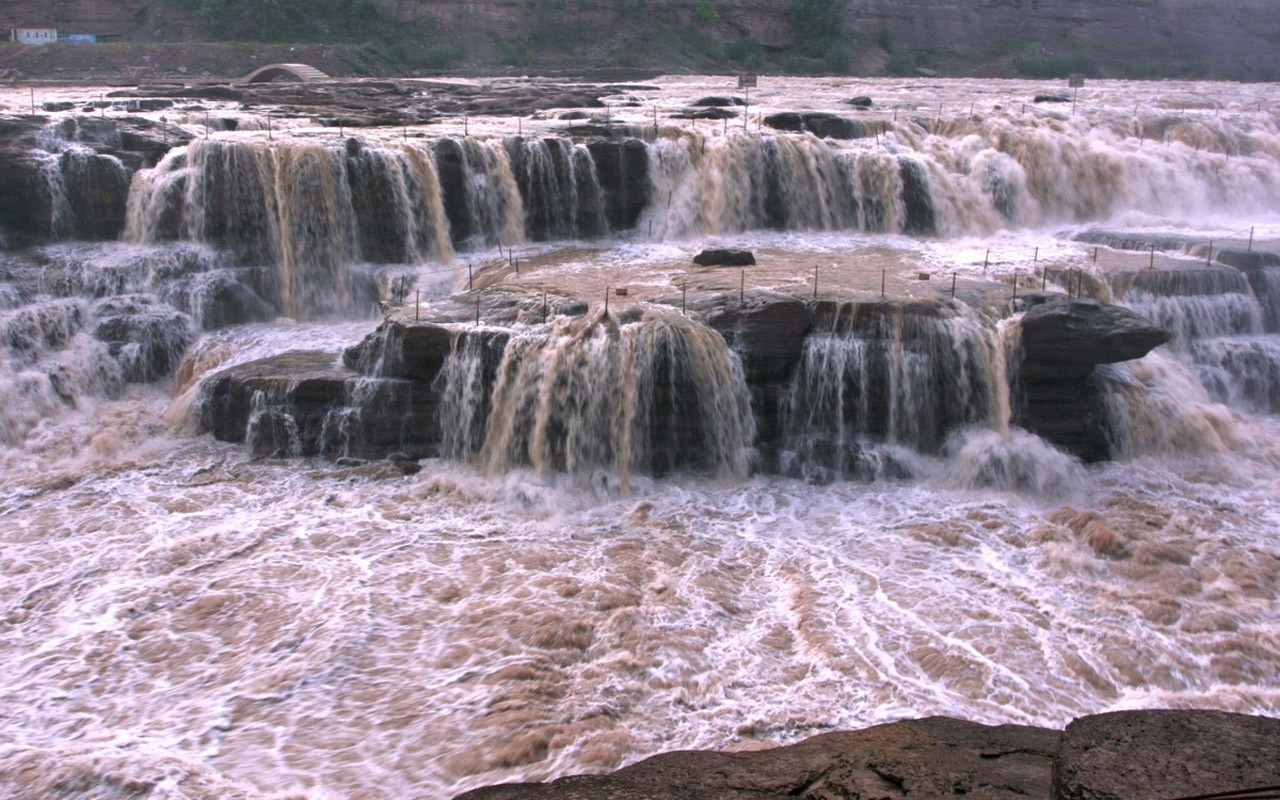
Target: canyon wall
1140 38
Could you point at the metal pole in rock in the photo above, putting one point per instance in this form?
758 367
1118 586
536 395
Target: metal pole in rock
606 300
470 278
417 304
269 134
986 260
1251 240
1095 255
953 286
882 274
1035 259
33 101
684 298
466 128
815 283
1152 263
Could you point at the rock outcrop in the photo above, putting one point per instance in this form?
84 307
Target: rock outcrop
1136 755
793 355
820 124
1154 755
77 188
724 257
1063 341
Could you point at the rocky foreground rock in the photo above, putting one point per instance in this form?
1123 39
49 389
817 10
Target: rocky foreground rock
1133 755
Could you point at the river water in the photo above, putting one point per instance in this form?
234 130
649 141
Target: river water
185 620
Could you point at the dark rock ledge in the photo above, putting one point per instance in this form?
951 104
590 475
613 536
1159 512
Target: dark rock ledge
1131 755
1062 344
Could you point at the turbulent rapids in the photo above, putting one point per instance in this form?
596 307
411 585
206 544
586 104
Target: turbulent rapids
393 462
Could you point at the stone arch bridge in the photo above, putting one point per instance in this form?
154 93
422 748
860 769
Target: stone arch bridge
300 72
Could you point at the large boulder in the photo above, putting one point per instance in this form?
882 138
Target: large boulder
1063 341
821 124
1063 338
718 101
724 257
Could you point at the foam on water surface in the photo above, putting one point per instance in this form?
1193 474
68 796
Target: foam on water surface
186 621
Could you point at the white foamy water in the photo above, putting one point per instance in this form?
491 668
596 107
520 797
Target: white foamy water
183 620
199 623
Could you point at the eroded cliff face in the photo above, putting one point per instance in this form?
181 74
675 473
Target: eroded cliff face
1235 38
1147 38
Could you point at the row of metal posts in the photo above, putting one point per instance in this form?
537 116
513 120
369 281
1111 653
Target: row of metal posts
1075 279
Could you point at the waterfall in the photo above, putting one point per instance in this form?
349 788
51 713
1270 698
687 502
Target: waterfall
883 382
48 363
1218 354
375 419
272 430
85 192
578 396
306 213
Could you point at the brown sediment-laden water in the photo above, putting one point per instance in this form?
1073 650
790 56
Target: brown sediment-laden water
627 536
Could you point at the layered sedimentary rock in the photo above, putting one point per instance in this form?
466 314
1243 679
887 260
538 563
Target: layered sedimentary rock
772 384
1062 343
1138 755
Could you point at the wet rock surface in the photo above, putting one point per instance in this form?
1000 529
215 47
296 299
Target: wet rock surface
1063 341
1070 337
724 257
1152 755
823 125
1136 755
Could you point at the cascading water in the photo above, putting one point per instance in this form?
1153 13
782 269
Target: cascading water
1218 353
187 616
650 395
905 378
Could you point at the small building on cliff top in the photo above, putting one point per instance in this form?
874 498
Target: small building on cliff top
33 34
